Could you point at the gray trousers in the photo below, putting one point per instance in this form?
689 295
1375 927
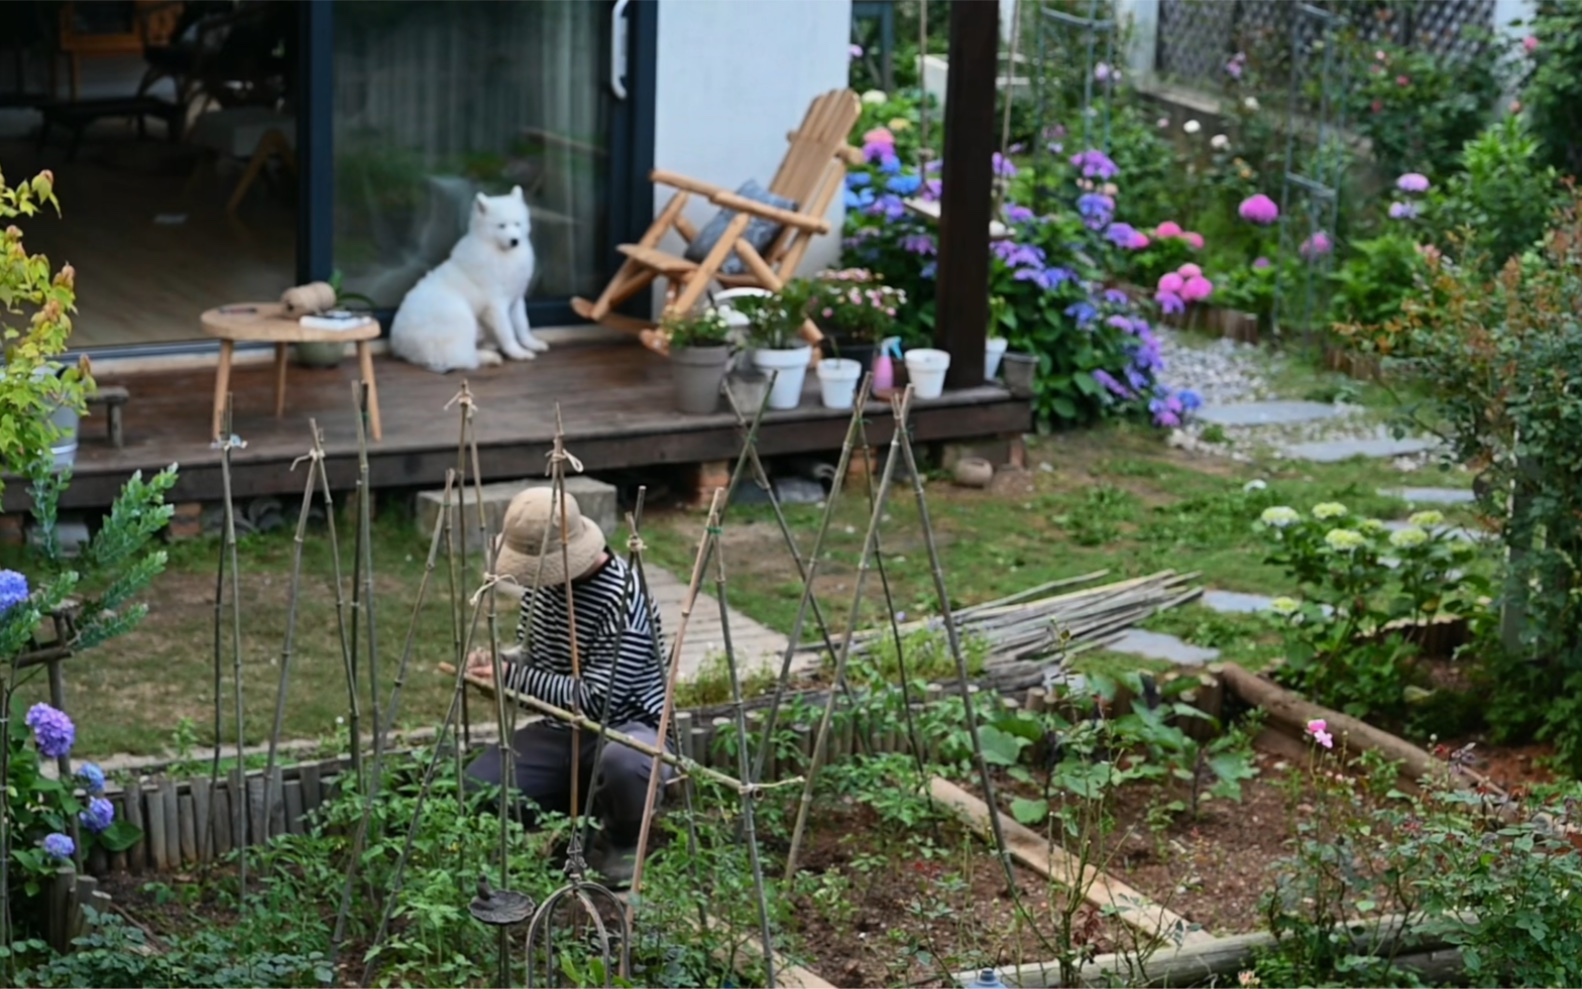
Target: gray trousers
542 756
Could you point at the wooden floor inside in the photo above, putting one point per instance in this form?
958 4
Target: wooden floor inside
615 399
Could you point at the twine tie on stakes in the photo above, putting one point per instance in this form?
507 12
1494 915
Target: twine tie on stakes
316 455
635 545
490 582
560 455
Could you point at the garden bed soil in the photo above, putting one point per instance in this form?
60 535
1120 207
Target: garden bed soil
912 920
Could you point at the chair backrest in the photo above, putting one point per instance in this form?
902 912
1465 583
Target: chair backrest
824 129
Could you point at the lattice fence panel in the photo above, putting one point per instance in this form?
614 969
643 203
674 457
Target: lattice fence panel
1197 37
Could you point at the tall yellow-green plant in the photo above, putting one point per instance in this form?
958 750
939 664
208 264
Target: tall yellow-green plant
36 304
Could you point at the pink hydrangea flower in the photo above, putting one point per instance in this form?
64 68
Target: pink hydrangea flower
1414 182
1138 242
1316 246
1189 270
1530 43
1259 209
1171 282
879 135
1197 288
1318 729
1168 229
1193 239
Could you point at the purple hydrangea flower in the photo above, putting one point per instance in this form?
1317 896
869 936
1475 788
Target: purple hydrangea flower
53 731
1166 410
1403 211
59 846
1004 167
890 164
931 190
1412 182
1019 255
1017 214
888 206
1116 297
1122 323
1260 263
1094 164
99 815
1082 312
13 589
920 243
1120 234
1259 209
1114 387
929 270
92 777
1096 209
1170 303
855 51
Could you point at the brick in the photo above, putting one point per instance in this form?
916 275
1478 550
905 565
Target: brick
187 521
595 499
702 481
860 466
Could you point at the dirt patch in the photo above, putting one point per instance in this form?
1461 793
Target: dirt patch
885 912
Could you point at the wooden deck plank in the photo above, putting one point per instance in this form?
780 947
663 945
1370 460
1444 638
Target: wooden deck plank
615 398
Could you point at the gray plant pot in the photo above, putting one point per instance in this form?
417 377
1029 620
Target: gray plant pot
699 372
319 354
1020 372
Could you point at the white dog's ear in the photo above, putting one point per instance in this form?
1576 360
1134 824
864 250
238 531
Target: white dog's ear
516 193
483 203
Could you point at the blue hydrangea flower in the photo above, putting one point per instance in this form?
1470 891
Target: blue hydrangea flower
52 730
889 164
1017 214
858 198
888 206
857 180
59 846
1120 234
1082 312
99 815
904 185
92 777
1115 388
1190 400
929 270
13 589
1116 297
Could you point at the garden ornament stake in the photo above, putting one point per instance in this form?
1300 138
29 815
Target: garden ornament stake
502 910
821 740
589 896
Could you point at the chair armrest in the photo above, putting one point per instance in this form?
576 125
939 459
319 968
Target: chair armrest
659 177
784 217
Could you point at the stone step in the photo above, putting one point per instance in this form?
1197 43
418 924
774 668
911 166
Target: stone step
1336 451
1158 645
596 500
1273 413
1431 496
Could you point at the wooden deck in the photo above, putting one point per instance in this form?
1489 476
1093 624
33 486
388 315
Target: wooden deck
615 399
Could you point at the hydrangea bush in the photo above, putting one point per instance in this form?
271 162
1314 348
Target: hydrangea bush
1354 576
1054 282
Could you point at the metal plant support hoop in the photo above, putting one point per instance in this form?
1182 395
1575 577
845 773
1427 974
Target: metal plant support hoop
1055 29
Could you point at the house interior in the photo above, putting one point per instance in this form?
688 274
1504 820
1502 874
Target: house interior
169 129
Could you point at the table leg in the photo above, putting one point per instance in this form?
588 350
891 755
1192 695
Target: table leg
222 385
365 359
280 379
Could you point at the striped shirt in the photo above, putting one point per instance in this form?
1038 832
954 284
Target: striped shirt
615 651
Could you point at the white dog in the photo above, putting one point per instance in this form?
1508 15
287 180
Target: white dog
478 293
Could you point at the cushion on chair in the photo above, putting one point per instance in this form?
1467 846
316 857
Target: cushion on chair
760 232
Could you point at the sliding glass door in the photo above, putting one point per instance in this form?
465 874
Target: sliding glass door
435 101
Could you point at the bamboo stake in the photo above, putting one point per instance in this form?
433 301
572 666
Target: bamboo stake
294 590
366 561
236 640
743 767
354 703
821 739
654 771
557 466
954 638
810 577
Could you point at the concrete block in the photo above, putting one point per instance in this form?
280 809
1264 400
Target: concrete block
597 500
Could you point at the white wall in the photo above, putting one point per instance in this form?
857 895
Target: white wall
734 76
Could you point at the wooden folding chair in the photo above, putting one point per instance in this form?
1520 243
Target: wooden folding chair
811 175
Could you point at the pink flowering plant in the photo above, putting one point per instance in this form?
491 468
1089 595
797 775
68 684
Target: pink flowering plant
855 305
1416 107
1355 577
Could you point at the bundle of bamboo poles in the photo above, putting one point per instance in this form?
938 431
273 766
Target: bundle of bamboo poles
1036 624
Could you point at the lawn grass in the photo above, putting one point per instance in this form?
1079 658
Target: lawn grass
1115 498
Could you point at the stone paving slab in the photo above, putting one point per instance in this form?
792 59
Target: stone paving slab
1157 645
1469 535
1431 496
1273 413
1235 602
1335 451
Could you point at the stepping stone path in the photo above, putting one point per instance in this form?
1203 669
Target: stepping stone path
756 646
1431 496
1157 645
1235 602
1335 451
1275 413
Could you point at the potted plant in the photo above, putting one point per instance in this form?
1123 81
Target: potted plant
856 310
775 334
700 352
330 354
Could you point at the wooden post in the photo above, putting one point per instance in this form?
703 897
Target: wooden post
961 324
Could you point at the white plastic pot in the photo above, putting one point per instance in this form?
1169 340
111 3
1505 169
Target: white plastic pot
837 379
790 369
735 320
993 351
926 367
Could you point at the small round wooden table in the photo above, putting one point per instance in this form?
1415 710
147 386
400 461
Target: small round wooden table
266 322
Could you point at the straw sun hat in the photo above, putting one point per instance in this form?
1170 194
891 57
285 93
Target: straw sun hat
531 533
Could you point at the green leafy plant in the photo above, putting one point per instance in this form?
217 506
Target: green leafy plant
1416 107
776 320
702 328
1342 649
1500 204
1374 280
854 304
36 303
1552 93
